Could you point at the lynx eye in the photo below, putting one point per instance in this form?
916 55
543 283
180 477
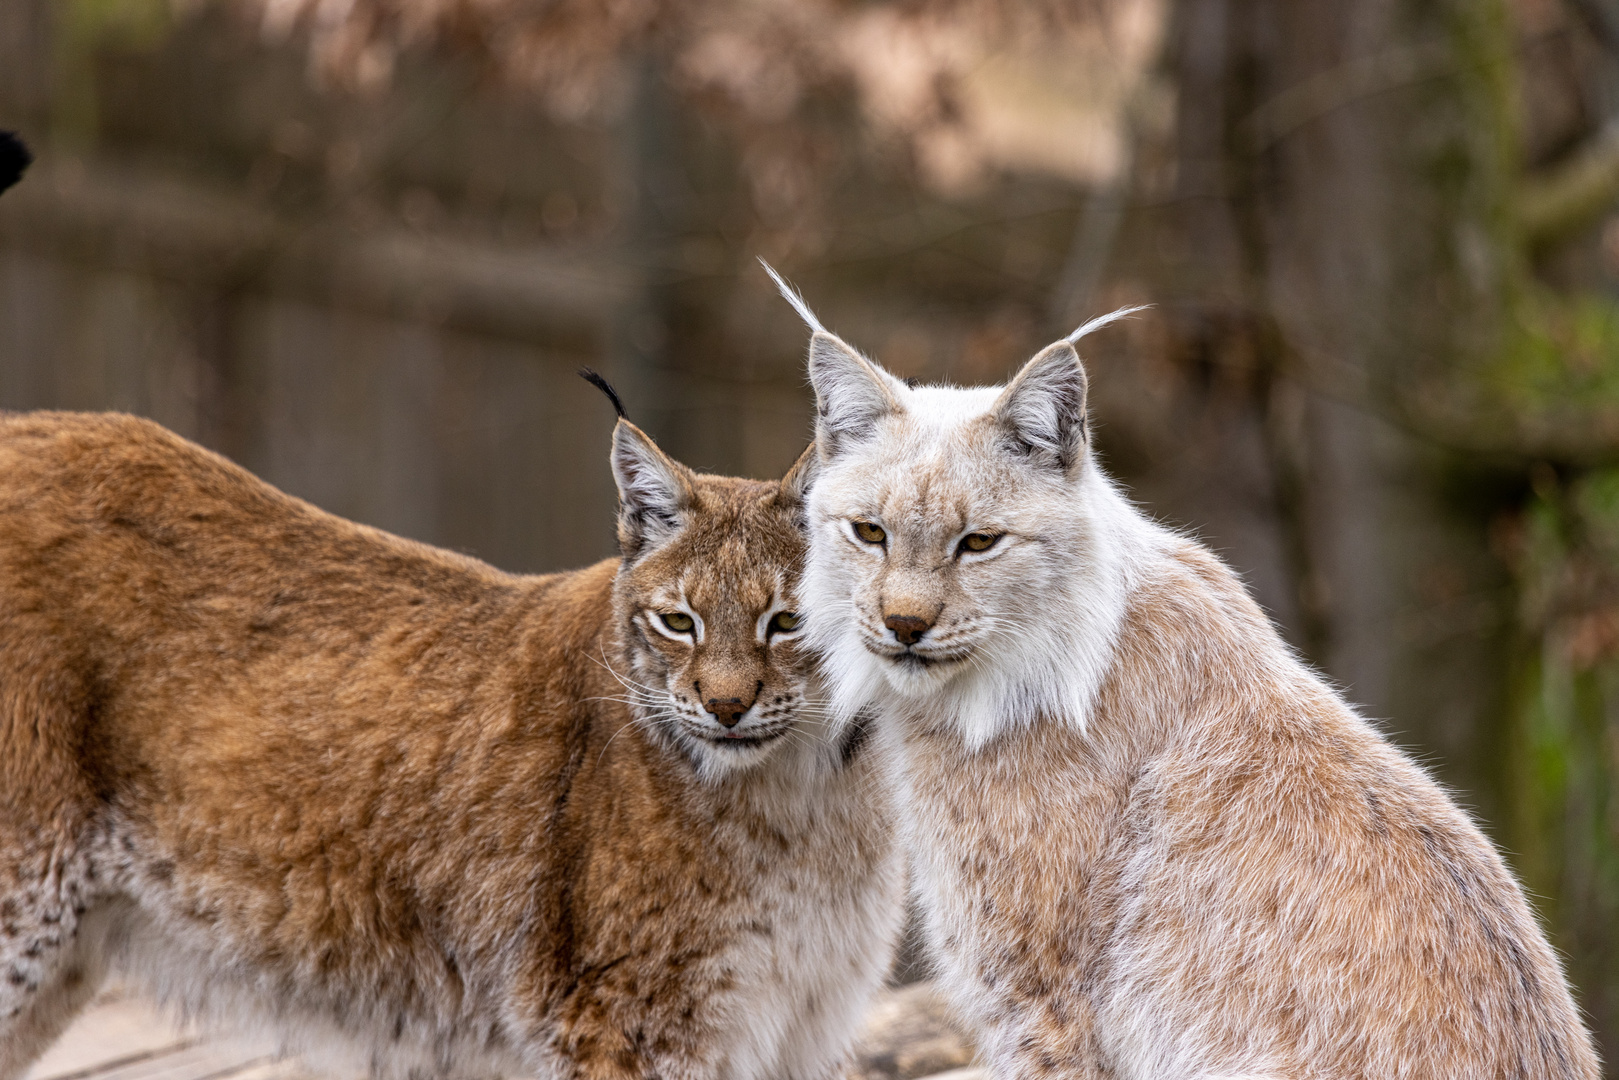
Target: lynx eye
785 622
979 541
678 621
871 534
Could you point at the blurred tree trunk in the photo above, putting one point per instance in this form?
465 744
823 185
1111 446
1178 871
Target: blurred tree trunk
1343 172
25 64
1343 264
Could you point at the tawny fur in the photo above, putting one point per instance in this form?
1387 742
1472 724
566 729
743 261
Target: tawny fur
1148 842
391 804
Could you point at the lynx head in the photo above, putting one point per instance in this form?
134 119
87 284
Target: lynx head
964 560
706 601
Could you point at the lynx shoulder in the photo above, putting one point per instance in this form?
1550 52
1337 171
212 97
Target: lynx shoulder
1147 841
410 812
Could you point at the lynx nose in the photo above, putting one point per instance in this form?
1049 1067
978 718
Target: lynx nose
726 710
908 629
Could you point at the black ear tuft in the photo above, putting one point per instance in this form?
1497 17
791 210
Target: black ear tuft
595 379
14 159
654 491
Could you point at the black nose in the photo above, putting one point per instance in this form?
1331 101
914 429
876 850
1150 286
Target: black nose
908 629
726 710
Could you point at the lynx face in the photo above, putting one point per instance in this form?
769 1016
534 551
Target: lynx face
933 582
708 605
959 561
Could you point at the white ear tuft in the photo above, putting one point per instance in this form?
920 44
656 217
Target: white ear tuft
653 490
851 393
1043 410
1103 320
793 297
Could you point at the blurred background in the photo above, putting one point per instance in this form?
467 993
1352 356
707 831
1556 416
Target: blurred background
360 246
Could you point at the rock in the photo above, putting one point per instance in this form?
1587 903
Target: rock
911 1033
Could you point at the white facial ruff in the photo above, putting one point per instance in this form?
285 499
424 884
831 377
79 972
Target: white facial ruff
1060 632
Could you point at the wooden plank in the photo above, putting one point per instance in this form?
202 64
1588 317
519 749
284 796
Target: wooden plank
116 1027
200 1061
165 224
123 1037
908 1035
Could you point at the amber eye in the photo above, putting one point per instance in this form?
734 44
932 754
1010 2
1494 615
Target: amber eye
678 621
784 622
979 541
871 534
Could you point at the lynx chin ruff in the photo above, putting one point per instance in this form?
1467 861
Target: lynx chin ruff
404 810
1147 841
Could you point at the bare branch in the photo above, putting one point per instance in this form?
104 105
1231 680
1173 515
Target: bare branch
1561 201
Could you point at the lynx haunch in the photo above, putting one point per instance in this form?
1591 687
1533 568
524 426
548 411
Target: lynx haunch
391 803
1148 843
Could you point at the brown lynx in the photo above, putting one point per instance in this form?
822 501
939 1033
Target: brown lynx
1148 843
388 802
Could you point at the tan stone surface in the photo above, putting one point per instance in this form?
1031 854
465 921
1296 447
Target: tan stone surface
910 1033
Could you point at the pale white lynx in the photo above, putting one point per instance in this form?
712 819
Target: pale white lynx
1147 841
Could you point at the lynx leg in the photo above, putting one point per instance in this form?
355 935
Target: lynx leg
51 963
1054 1040
43 1018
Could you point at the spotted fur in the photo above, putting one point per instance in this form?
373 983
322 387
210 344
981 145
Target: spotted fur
1148 842
409 813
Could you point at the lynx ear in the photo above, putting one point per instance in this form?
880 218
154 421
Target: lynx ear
654 490
1043 411
851 393
796 484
